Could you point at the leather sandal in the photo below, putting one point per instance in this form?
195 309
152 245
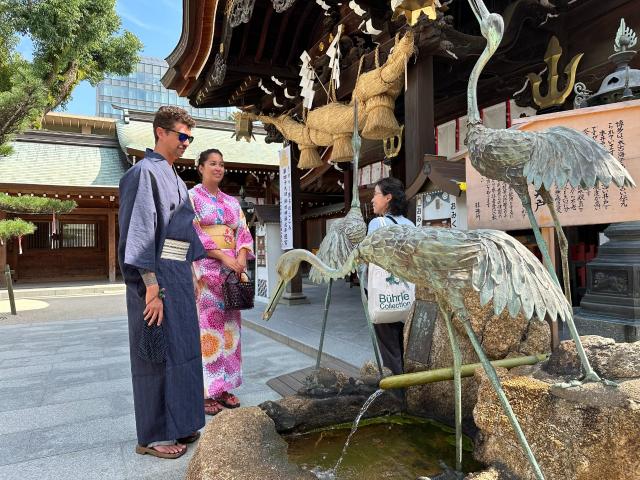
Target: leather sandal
155 453
213 407
229 400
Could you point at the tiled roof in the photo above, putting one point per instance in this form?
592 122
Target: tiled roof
137 135
62 164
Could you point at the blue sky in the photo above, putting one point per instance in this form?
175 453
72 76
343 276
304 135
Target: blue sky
157 23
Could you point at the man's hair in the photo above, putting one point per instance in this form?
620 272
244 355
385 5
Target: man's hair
168 116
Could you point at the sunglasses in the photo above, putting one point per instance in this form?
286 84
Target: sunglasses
183 137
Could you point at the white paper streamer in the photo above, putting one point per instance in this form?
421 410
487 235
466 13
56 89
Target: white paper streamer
357 9
333 52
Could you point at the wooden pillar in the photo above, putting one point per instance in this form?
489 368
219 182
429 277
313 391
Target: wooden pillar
111 245
419 128
549 236
3 253
293 294
268 195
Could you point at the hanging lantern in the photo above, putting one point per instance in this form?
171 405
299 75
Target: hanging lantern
243 126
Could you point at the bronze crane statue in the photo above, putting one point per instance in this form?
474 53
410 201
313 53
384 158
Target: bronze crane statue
558 155
451 263
343 236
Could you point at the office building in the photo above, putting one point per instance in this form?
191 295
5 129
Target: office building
142 90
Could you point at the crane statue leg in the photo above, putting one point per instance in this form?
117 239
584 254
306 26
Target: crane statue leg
372 332
589 374
523 193
562 242
457 386
327 302
504 401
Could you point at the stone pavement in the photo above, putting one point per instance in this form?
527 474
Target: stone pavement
66 408
347 337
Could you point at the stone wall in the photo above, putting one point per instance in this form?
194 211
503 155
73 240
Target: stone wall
586 432
500 336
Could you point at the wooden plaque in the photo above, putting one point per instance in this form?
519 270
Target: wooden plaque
422 322
493 204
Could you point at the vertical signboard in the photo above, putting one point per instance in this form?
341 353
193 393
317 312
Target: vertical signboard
286 200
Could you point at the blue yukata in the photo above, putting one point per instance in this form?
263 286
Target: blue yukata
154 207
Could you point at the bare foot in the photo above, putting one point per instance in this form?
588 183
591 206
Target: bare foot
177 448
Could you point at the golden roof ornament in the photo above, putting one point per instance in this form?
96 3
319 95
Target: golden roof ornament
412 9
554 97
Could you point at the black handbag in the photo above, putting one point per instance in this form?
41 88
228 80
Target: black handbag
238 294
152 346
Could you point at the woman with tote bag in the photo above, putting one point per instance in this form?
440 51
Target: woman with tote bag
389 298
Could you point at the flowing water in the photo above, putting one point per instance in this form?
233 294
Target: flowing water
395 447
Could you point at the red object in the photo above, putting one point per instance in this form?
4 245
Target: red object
457 134
508 119
436 138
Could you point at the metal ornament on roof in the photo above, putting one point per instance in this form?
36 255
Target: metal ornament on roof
624 82
219 71
281 5
239 11
554 96
413 9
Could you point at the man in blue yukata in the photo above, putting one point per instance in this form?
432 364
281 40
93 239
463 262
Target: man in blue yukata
156 248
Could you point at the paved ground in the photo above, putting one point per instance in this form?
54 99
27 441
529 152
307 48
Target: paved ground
66 406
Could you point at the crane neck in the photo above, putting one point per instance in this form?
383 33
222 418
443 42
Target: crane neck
472 88
323 268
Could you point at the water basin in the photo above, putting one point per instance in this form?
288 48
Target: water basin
394 447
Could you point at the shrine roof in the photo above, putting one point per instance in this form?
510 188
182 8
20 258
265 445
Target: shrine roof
42 159
136 136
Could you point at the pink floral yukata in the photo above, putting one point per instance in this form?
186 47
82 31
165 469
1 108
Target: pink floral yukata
219 329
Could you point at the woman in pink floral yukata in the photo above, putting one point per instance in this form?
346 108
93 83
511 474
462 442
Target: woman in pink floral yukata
222 228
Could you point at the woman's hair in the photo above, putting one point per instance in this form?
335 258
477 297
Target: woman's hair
398 204
204 155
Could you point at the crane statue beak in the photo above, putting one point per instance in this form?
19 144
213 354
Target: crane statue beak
479 9
275 298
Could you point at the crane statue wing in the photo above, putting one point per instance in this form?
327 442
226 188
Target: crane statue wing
562 155
447 261
510 275
343 235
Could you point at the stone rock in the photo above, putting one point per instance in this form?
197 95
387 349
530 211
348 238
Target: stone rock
301 413
500 336
581 433
324 382
242 444
369 374
491 473
608 358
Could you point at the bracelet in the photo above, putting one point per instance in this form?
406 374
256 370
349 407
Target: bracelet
161 295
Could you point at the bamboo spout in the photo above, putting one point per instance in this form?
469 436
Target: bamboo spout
438 375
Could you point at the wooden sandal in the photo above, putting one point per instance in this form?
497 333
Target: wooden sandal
229 400
190 439
213 407
155 453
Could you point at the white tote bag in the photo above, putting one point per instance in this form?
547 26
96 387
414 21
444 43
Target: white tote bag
390 298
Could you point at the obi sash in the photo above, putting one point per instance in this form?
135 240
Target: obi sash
174 250
223 236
